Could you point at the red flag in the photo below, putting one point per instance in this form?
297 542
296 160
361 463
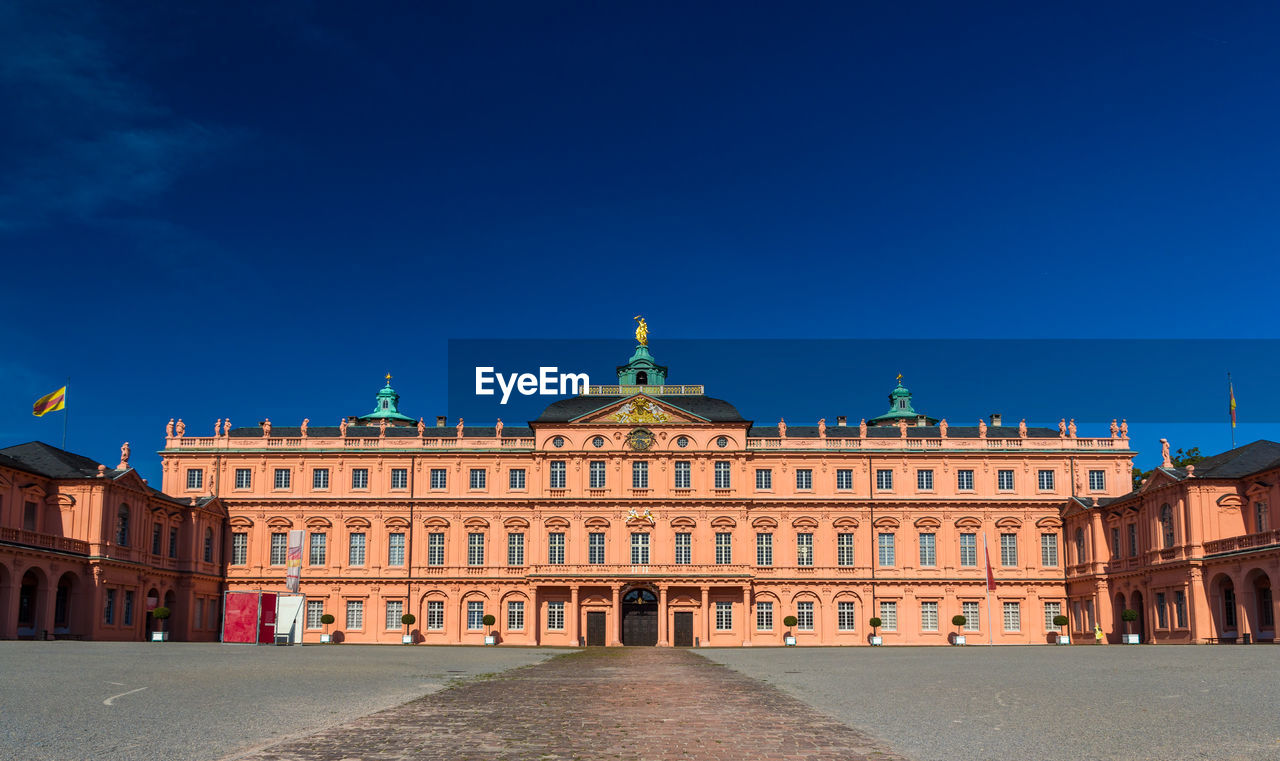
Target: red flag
1231 390
991 577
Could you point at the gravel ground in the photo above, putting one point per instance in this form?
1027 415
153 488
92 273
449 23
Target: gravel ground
199 702
1173 703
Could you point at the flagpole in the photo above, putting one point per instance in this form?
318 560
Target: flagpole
65 412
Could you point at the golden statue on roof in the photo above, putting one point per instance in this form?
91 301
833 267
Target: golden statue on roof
642 331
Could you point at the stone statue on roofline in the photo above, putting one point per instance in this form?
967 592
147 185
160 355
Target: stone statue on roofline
217 428
342 428
1062 428
982 428
306 421
862 428
497 428
226 427
124 457
1022 428
460 427
422 428
1071 429
942 428
382 427
902 427
1164 453
266 428
1124 428
181 428
168 429
1115 429
782 428
822 428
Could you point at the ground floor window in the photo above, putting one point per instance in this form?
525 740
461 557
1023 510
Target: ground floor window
970 612
1051 611
315 609
804 616
1012 617
555 615
475 614
1162 611
1180 608
128 608
846 617
724 616
435 614
764 616
395 609
889 616
1266 614
929 616
355 614
108 609
515 614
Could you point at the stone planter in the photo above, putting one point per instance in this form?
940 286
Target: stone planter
876 640
789 641
159 636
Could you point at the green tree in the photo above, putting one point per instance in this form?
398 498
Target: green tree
1180 459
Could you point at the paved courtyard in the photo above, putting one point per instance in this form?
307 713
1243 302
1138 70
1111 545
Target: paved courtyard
1172 703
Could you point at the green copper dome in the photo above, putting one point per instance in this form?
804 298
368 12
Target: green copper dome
900 408
386 406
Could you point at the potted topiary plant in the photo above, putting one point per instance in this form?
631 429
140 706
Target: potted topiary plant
1129 615
326 619
160 614
958 621
1061 621
407 619
489 621
875 624
790 639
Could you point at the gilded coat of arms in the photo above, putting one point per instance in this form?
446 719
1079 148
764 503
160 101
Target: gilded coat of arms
640 410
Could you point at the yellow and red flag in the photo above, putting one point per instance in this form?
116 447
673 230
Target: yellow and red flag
1231 390
50 402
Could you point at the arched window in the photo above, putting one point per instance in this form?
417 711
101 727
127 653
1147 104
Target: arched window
208 545
1079 545
1166 526
122 526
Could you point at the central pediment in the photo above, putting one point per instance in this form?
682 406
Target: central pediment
639 410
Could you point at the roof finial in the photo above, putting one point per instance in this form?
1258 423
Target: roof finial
642 331
388 379
899 379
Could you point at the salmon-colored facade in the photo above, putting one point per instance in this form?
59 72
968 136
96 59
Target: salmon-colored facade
651 513
88 551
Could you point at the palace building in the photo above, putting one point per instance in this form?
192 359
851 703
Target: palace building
652 513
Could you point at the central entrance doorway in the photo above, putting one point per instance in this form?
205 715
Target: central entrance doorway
639 618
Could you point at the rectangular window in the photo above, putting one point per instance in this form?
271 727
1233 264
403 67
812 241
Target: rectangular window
1097 480
846 617
1012 617
128 608
555 547
173 541
595 548
29 516
439 478
639 475
515 479
435 615
764 479
597 474
475 549
884 479
929 616
970 612
764 616
239 548
724 548
1180 608
475 614
1009 550
320 478
319 546
964 480
395 609
195 478
157 538
515 549
844 549
968 550
804 479
886 551
684 548
279 547
477 478
764 549
804 616
888 615
1004 480
804 549
683 478
557 474
1049 550
282 478
109 609
1115 543
928 550
724 616
399 478
244 478
1162 611
555 615
435 549
360 478
355 614
515 614
1133 540
639 549
395 549
924 480
355 549
1045 480
1051 611
722 475
844 479
315 609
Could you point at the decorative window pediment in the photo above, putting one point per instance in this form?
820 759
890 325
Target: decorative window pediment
764 522
723 521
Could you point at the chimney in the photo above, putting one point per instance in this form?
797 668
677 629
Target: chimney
841 420
441 421
922 421
995 419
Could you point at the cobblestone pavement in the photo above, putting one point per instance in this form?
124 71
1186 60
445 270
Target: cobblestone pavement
618 703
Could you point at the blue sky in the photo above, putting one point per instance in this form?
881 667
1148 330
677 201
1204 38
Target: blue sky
251 210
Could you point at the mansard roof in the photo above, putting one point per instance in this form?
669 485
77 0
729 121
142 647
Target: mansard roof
706 407
1242 461
42 459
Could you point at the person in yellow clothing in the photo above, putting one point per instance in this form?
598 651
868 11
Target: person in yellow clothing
1097 634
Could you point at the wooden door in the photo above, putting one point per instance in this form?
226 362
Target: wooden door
683 629
595 628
